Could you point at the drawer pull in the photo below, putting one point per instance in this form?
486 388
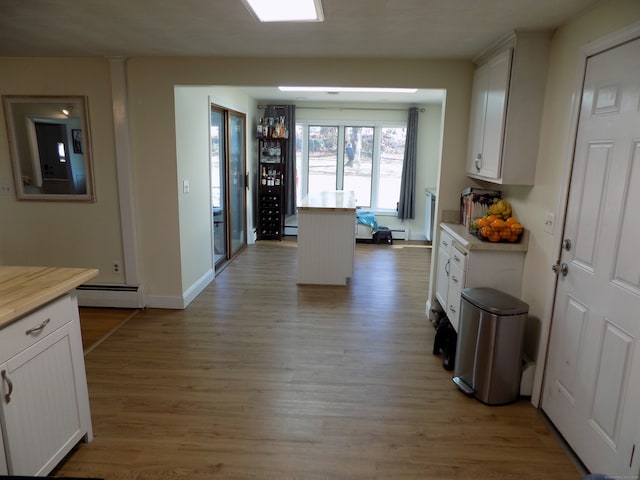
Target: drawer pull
39 328
452 308
9 383
454 279
444 243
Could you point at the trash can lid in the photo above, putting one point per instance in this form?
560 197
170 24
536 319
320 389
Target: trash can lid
494 301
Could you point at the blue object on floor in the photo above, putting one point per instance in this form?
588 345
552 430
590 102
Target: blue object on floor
368 218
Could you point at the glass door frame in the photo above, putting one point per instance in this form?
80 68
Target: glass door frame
231 212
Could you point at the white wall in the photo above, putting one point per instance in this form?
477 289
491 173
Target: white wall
90 235
192 110
64 233
164 270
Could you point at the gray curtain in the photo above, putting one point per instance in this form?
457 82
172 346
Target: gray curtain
289 112
407 202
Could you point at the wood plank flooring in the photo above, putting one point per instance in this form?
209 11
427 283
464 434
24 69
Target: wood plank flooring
97 324
259 378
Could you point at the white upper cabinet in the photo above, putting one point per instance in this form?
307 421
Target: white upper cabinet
506 109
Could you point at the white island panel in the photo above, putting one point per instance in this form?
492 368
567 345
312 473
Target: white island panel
326 238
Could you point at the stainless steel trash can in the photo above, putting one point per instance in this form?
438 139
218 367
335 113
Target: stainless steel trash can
489 347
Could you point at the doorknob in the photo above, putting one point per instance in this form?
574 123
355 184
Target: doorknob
566 244
562 268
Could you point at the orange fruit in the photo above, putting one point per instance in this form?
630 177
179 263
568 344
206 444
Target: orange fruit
505 233
516 228
494 237
511 220
498 224
486 231
482 222
492 218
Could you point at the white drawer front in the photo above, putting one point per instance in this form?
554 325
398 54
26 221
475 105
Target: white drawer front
34 326
458 257
446 242
456 284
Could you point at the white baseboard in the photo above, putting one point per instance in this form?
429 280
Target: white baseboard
124 296
170 302
110 296
194 290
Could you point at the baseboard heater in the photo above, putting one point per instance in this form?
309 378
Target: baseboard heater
115 296
400 233
291 230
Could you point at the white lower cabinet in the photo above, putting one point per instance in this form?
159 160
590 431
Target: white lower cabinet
457 277
465 261
442 274
45 407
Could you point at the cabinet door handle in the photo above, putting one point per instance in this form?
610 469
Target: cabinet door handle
444 243
452 308
9 383
478 162
446 267
39 328
454 279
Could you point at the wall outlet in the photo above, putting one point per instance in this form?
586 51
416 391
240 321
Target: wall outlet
115 266
6 188
549 222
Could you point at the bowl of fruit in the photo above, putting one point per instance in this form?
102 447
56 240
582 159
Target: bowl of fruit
498 225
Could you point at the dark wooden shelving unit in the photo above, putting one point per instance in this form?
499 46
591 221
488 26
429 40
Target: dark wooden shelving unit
271 191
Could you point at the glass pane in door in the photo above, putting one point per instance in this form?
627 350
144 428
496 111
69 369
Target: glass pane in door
237 181
391 160
323 155
218 175
358 163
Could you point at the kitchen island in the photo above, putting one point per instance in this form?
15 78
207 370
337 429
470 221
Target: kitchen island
326 238
44 409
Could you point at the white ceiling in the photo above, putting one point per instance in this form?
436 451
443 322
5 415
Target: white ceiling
412 29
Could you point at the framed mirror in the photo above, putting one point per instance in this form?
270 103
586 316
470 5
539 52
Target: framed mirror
49 142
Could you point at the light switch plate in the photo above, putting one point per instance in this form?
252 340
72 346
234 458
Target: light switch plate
185 186
549 222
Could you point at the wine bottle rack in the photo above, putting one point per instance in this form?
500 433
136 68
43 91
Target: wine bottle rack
271 169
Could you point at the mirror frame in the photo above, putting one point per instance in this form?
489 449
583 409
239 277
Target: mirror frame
20 157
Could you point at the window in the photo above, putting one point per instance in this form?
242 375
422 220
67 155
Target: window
344 156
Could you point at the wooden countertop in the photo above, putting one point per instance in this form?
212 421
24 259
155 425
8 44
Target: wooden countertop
468 241
330 201
23 289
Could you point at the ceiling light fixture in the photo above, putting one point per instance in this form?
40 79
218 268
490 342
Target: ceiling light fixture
286 10
348 89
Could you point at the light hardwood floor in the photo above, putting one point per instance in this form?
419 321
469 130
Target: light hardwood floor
260 378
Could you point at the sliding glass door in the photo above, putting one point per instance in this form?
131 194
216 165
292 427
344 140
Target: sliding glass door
237 163
218 185
228 167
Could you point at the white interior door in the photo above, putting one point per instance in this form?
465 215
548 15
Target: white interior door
592 383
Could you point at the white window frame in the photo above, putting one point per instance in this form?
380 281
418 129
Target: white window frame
341 125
